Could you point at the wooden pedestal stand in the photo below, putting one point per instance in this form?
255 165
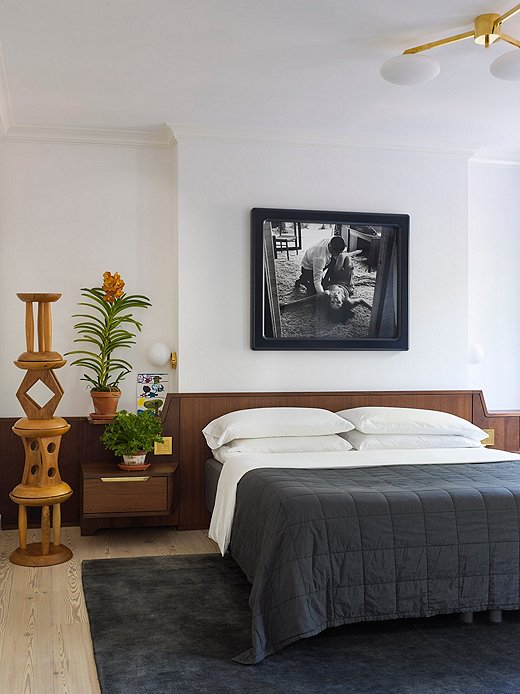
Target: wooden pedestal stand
41 434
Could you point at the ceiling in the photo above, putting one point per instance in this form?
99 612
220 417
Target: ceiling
300 67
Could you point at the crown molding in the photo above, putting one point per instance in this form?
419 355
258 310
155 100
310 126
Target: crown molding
500 156
288 137
167 136
499 163
160 137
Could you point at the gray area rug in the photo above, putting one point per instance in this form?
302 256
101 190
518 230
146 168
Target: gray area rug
173 624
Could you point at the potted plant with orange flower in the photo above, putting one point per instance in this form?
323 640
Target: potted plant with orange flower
109 327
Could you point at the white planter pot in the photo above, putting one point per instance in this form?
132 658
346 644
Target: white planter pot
137 459
134 462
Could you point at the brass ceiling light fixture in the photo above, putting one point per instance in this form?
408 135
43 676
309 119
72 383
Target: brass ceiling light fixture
411 68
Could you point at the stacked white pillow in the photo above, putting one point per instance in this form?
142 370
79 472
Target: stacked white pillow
309 429
277 430
383 428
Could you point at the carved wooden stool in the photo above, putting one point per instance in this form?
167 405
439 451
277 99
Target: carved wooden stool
41 434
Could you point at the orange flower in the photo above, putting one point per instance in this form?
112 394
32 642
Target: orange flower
112 286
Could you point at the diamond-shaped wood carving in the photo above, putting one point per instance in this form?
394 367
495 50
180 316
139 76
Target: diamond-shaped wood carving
31 408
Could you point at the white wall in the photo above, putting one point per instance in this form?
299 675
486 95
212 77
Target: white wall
221 180
494 281
68 212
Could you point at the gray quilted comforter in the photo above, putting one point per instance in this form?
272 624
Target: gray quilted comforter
329 547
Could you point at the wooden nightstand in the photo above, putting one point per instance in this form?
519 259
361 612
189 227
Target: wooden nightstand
114 498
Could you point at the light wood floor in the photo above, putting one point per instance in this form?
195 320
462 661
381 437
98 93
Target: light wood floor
45 645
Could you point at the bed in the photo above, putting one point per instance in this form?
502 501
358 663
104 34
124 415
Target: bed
330 537
187 414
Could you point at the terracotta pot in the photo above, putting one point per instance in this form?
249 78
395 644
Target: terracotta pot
134 462
105 403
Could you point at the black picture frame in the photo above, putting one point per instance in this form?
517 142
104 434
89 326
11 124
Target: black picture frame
366 310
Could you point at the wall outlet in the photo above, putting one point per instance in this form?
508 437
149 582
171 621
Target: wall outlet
490 441
164 448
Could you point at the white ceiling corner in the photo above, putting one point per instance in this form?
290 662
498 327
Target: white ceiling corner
299 71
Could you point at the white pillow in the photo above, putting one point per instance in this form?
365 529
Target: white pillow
285 444
381 442
407 420
261 422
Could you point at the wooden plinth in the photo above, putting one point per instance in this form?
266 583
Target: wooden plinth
33 555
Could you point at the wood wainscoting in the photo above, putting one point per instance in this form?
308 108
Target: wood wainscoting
186 414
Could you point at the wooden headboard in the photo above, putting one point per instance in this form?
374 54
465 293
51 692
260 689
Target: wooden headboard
187 414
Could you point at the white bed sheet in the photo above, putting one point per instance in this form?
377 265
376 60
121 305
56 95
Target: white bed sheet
235 466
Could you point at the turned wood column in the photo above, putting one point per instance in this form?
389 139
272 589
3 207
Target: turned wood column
41 434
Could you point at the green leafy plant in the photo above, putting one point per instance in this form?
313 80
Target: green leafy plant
106 330
130 433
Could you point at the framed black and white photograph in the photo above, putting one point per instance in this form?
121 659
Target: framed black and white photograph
329 280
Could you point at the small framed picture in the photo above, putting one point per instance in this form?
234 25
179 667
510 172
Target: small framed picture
152 389
329 280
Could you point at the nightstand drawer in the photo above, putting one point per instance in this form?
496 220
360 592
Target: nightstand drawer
126 494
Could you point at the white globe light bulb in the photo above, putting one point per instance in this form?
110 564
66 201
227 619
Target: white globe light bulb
507 66
159 354
409 69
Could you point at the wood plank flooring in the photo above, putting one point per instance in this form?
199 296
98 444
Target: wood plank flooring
45 644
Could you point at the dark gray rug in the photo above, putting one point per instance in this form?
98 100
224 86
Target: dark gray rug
173 624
